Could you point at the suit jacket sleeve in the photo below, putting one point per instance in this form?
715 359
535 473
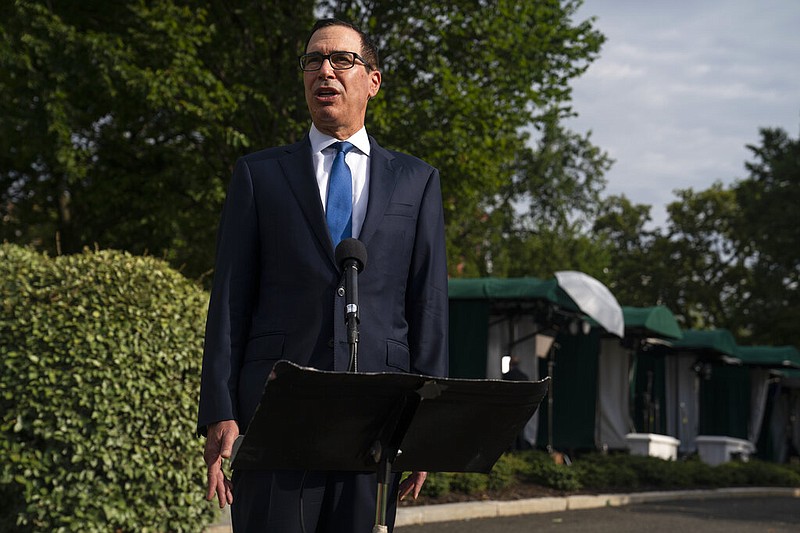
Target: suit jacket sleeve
230 307
426 295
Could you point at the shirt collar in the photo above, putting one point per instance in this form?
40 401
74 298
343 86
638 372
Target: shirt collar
320 141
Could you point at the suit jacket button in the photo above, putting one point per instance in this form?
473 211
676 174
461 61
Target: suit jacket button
330 342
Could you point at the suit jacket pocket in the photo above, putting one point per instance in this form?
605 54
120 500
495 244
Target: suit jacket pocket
398 209
397 355
266 346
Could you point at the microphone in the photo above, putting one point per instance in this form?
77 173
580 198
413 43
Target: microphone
351 250
351 256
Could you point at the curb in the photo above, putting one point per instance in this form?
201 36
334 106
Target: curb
448 512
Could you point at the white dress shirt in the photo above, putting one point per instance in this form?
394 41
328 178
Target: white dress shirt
323 154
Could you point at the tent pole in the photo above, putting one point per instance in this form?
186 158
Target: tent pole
550 366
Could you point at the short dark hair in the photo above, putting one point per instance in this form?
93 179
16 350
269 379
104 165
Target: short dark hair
369 50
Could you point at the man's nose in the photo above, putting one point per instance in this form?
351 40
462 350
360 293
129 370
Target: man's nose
326 70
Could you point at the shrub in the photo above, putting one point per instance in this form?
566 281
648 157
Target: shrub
760 473
507 471
605 472
436 484
615 471
621 470
99 374
469 483
660 473
699 474
543 471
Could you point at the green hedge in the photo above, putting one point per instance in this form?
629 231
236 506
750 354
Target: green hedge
100 359
512 469
596 472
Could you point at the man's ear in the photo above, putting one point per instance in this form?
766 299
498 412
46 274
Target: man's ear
374 83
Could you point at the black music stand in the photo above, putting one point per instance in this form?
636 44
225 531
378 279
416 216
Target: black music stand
332 421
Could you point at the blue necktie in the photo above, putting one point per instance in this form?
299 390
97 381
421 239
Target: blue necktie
339 208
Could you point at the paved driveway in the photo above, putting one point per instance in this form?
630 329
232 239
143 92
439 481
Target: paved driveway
716 515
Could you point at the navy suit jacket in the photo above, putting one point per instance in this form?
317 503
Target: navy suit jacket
274 294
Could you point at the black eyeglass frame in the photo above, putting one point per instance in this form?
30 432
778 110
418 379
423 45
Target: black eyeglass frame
323 57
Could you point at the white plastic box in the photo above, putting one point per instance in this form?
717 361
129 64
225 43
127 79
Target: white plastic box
653 444
715 449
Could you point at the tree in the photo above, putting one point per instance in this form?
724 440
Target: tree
132 113
542 217
120 121
690 266
768 239
465 82
621 228
705 267
728 256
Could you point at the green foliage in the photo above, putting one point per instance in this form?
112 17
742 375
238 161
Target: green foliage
469 483
768 236
437 484
656 472
507 471
729 254
699 474
603 471
510 469
620 471
465 85
544 471
99 374
760 473
120 121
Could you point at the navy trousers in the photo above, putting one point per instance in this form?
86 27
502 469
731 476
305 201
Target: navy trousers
289 501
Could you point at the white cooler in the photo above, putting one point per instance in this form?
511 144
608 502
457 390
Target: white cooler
715 450
653 444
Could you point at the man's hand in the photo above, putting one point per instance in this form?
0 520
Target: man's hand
218 447
412 484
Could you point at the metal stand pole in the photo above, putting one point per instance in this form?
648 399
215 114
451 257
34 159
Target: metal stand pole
382 500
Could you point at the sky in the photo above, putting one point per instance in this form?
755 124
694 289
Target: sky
681 87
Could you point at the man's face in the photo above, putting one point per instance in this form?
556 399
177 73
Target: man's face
337 99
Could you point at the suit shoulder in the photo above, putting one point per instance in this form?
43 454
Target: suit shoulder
275 152
409 161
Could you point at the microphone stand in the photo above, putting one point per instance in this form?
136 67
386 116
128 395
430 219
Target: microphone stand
351 312
351 256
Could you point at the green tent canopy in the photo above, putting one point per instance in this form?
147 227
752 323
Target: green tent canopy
474 300
510 289
655 321
718 342
769 356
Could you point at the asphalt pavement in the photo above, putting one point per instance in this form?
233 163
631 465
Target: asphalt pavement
732 513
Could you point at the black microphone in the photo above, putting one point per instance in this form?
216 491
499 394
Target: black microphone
351 256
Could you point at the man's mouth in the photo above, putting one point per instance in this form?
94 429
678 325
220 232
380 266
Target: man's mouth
326 93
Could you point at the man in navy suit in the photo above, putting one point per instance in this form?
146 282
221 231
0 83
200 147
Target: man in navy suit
275 293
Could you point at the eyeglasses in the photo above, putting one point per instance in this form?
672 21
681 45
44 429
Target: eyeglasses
338 60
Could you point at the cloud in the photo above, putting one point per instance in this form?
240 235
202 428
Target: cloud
681 87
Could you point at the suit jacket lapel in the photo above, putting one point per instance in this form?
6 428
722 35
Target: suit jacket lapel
299 173
382 180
